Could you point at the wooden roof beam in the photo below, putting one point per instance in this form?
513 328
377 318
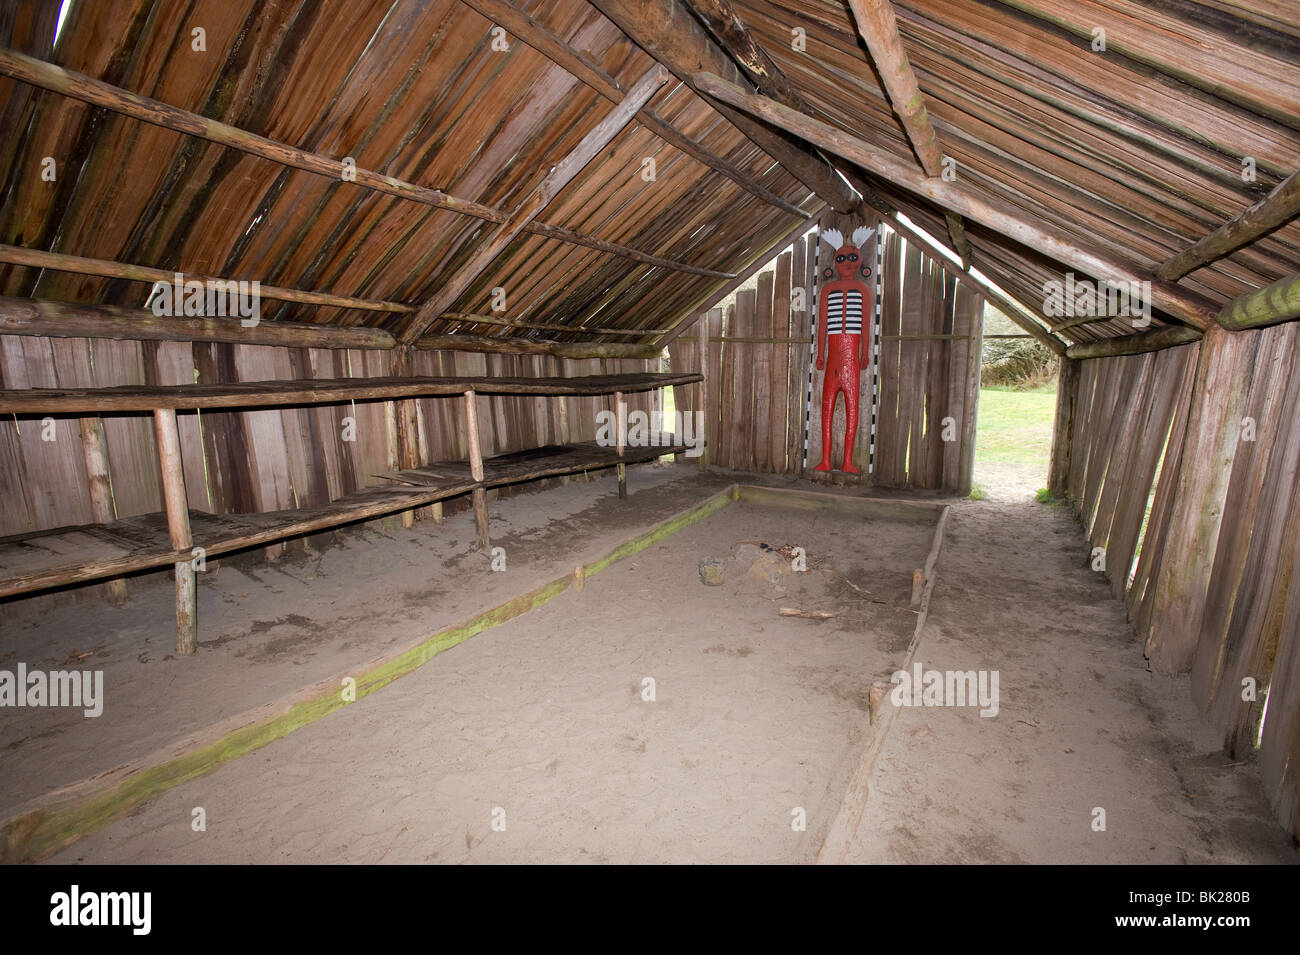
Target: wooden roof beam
1151 340
1183 304
559 176
668 31
1279 206
109 268
878 28
41 317
536 35
98 93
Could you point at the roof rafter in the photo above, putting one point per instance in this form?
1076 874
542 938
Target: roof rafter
98 93
1183 304
582 68
559 176
878 28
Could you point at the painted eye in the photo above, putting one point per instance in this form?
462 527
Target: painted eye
839 258
853 258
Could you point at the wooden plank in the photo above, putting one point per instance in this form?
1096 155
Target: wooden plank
1226 363
760 430
243 394
779 407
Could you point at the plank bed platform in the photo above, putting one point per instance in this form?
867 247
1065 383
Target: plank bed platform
536 463
70 555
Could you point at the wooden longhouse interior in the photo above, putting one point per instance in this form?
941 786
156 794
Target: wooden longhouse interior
569 412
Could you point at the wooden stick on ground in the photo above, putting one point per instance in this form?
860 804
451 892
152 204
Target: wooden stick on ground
843 830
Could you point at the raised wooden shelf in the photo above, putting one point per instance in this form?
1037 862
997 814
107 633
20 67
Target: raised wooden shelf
70 555
260 394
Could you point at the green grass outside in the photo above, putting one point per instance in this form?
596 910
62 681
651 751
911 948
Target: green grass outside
1014 434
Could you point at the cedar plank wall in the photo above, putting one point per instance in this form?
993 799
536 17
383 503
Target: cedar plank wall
1211 590
757 392
260 460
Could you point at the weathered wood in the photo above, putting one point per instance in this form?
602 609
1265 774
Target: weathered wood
620 440
1279 302
552 184
178 525
1067 396
473 319
1155 339
35 258
248 394
43 318
703 428
476 470
95 450
1012 309
843 829
579 65
1223 374
957 197
528 346
1280 205
667 31
98 93
878 28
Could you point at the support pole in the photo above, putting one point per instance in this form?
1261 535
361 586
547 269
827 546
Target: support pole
476 469
178 525
620 414
702 349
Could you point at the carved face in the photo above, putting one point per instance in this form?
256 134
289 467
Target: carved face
846 261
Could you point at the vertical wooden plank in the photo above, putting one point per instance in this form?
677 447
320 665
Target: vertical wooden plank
760 431
1067 395
715 391
970 407
742 398
95 450
1226 367
779 375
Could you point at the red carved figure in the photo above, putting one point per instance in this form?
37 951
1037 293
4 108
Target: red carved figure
844 308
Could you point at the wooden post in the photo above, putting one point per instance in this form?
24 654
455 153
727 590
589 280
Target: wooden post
1279 302
1067 394
702 350
476 469
101 489
620 415
178 525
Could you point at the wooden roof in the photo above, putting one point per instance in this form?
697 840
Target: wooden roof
1138 148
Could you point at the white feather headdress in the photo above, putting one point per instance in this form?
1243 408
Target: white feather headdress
835 238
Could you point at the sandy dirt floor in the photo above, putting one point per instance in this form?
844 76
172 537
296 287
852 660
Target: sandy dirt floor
542 722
